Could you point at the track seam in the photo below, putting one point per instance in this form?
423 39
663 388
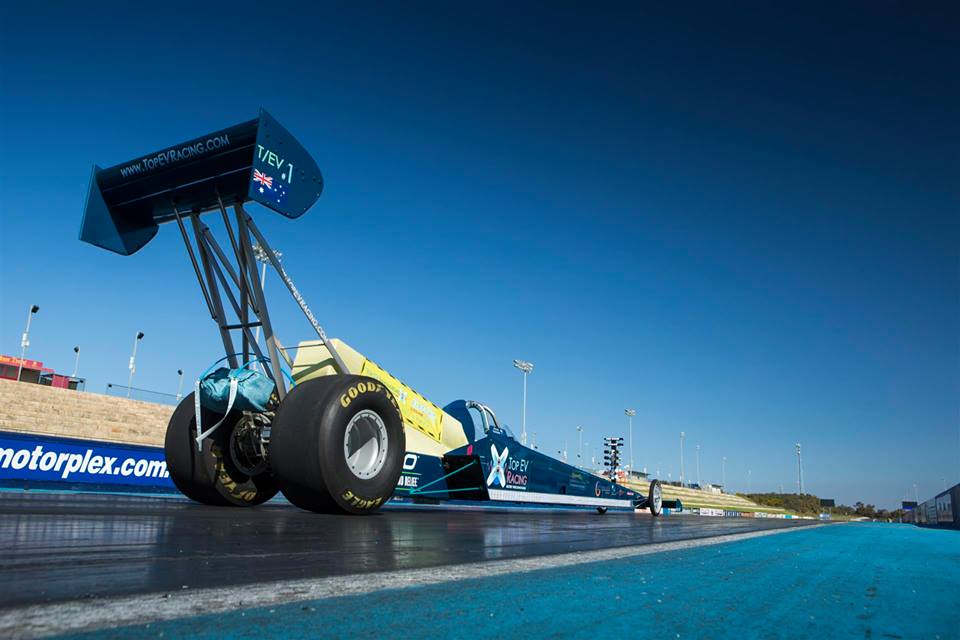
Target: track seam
90 615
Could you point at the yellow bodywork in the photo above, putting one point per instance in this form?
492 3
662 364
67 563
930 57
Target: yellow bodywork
429 430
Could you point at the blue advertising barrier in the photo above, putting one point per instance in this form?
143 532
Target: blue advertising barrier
48 462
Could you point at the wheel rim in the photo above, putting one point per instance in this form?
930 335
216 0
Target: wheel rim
243 451
365 444
657 497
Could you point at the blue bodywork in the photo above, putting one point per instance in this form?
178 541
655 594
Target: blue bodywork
497 467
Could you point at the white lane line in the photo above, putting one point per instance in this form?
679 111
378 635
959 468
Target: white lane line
87 615
552 498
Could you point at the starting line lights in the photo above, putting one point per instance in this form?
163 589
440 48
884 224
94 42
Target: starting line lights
611 453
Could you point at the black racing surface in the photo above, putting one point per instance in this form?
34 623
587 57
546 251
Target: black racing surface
56 547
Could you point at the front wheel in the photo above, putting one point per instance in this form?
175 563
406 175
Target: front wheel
655 498
337 444
228 470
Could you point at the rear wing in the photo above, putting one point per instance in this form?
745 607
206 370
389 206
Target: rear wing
256 160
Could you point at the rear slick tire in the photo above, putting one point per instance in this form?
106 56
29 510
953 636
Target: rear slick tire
337 445
211 475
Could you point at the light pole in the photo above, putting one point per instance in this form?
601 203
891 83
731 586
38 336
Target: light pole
916 493
25 340
682 435
525 367
180 385
630 413
579 446
76 361
799 471
723 473
699 481
749 487
261 256
133 361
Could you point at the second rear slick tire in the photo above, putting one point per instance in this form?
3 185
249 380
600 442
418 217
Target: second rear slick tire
337 444
211 475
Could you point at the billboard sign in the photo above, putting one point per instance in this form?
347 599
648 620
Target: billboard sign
12 361
37 460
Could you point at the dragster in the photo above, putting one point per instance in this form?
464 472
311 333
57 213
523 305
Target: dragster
321 423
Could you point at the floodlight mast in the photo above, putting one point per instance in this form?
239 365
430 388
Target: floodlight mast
630 413
699 481
682 436
25 340
526 368
799 470
133 362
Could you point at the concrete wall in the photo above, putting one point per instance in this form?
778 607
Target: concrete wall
32 408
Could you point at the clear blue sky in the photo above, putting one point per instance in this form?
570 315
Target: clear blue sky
743 222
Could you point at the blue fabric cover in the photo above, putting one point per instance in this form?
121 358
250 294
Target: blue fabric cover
253 390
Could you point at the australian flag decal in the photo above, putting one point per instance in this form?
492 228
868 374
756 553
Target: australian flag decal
270 189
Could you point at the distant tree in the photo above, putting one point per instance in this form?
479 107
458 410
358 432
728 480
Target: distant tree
809 504
806 503
843 510
865 510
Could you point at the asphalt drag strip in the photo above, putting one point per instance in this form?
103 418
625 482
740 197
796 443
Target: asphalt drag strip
72 563
856 581
45 620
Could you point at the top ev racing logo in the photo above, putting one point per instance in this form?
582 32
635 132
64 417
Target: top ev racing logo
509 473
498 470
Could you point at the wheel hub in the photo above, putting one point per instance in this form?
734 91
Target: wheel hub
246 450
365 444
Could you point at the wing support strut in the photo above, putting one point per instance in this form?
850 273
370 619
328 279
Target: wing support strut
242 288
